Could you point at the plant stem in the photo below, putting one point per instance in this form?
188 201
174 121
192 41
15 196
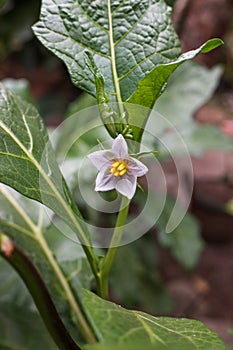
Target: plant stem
102 288
39 237
31 277
113 61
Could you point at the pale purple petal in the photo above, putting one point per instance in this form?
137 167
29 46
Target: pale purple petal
127 186
136 167
100 158
119 147
105 181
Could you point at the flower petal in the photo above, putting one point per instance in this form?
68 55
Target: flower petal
100 158
136 167
119 147
127 186
105 181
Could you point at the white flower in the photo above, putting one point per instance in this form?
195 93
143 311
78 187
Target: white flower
117 169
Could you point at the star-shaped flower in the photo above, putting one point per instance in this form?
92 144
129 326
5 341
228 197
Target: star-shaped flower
117 169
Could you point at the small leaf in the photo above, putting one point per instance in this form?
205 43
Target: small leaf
150 87
118 326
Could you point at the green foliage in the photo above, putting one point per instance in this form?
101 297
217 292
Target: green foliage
2 3
117 325
116 51
145 290
189 87
184 241
20 87
15 300
14 330
150 87
26 222
115 33
25 146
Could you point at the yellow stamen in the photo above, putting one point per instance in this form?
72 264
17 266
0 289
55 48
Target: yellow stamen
119 168
115 165
123 172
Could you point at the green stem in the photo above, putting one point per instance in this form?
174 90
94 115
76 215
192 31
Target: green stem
39 292
102 287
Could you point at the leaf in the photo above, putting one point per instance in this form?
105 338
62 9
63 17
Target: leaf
19 86
150 87
197 138
28 163
29 233
13 290
189 87
145 290
137 347
184 241
15 324
127 39
118 326
20 325
133 346
2 3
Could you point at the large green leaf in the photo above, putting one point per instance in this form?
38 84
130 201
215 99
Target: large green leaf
25 222
28 163
117 325
127 39
121 51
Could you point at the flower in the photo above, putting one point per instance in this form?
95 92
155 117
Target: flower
117 169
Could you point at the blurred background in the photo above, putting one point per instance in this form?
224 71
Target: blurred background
190 271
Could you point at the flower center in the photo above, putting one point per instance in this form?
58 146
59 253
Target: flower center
119 168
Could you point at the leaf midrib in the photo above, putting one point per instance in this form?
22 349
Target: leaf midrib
39 237
48 181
